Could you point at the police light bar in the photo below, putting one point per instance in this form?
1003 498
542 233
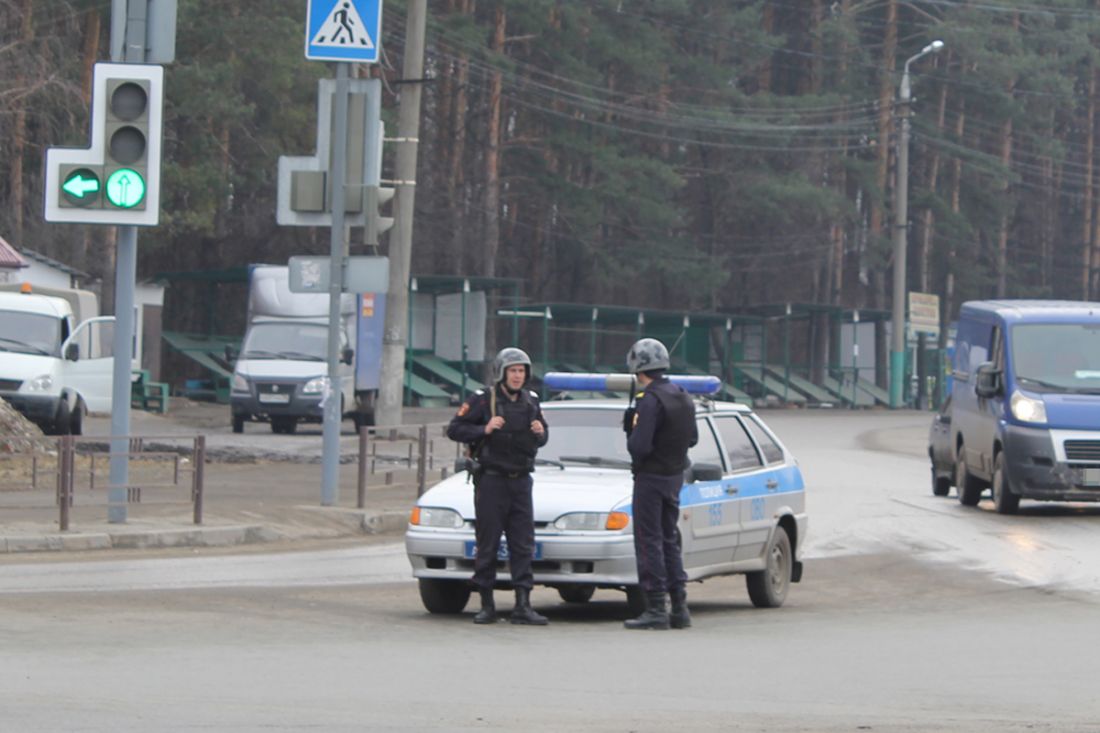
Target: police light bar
570 381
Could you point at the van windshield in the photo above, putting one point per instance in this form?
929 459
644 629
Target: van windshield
30 333
283 340
1057 357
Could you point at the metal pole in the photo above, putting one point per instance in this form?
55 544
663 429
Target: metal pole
198 477
330 439
855 358
361 493
465 292
901 221
787 354
400 252
125 277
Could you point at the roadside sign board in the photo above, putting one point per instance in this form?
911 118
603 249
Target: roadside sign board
344 30
924 313
362 274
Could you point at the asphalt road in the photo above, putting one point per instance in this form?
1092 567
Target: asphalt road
915 614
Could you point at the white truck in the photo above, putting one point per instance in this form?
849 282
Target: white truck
280 374
56 356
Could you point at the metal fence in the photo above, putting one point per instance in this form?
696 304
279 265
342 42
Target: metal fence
72 465
386 450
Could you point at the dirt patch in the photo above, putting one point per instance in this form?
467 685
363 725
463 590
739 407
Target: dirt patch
18 434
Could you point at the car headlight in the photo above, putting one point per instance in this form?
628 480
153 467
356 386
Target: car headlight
1028 409
432 516
240 384
315 385
41 383
592 521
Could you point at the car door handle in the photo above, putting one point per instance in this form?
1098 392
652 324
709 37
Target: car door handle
772 484
731 490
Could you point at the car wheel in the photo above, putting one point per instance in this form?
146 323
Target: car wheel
444 596
576 593
238 423
635 600
768 588
941 485
1004 501
969 487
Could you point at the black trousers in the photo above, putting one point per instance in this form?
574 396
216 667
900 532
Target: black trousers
503 504
656 507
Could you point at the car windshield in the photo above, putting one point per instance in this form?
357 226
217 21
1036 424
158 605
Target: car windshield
1057 357
586 436
30 333
282 340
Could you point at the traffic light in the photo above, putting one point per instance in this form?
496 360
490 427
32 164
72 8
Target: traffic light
117 179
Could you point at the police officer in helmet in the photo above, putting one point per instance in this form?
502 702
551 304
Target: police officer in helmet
505 428
659 432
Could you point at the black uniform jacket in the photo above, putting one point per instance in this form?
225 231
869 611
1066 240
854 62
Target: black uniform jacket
510 449
664 429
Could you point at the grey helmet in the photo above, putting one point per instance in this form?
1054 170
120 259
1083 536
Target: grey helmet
645 355
510 356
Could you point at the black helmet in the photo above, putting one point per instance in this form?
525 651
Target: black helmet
646 355
510 356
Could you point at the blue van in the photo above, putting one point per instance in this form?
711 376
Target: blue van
1025 401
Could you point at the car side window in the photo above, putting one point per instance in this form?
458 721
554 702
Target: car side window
706 450
741 454
772 452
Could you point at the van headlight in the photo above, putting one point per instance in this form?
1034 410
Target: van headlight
592 521
41 383
433 516
1027 409
314 386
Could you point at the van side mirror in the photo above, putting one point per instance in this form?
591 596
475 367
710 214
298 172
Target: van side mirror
72 352
231 353
988 381
347 355
703 472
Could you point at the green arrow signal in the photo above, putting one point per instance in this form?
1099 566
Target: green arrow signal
79 186
125 188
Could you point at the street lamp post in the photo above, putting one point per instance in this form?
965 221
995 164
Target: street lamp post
901 223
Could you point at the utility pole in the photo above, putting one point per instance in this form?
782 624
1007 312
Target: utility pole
901 227
395 338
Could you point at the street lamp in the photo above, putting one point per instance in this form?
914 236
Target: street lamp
901 222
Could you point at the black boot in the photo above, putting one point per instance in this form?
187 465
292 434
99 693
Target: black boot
523 613
655 615
679 617
488 612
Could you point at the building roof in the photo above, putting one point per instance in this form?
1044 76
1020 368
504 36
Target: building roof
60 266
9 257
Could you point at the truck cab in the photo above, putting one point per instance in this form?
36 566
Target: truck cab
53 369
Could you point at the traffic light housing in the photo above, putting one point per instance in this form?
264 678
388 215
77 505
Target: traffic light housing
116 180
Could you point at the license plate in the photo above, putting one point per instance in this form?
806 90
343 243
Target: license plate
275 399
502 553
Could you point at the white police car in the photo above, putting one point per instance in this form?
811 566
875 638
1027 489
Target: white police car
742 511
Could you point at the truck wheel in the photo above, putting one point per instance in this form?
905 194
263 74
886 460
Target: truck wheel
576 593
238 423
444 596
969 487
768 588
1004 501
941 485
62 421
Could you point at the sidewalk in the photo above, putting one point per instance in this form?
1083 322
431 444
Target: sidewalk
249 500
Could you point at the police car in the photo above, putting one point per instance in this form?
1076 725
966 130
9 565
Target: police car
742 510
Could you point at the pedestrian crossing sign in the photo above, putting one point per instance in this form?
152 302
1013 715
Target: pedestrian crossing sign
344 30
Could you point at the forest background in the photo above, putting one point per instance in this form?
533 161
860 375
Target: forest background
682 154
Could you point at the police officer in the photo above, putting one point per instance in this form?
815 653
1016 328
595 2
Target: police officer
659 432
505 428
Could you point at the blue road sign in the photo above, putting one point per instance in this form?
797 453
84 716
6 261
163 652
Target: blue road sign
344 30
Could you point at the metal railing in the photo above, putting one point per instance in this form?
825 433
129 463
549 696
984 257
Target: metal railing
81 464
383 450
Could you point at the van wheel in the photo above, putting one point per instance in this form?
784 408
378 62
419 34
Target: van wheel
444 596
63 420
768 588
576 593
1004 501
968 486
